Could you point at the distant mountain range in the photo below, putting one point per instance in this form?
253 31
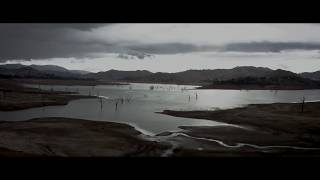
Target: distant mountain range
188 77
114 75
200 77
196 76
311 75
275 80
39 71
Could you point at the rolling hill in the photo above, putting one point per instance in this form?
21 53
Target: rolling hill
39 71
185 77
311 75
258 75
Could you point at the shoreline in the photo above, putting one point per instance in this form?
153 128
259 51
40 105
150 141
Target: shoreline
67 137
275 88
67 82
200 86
277 126
15 101
274 125
14 96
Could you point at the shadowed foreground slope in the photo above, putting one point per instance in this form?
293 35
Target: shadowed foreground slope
73 138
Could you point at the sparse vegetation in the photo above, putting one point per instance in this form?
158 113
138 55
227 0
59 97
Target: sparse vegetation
273 82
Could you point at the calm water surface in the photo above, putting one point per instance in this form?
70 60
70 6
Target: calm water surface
141 101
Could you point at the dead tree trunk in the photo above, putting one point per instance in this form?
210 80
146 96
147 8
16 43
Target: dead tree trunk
302 104
101 104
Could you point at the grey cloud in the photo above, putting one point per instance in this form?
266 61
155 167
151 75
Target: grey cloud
25 41
40 41
173 48
269 46
49 26
166 48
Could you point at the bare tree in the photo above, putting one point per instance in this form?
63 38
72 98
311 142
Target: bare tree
101 104
116 105
302 104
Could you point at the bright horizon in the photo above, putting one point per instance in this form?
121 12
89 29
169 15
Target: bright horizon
163 47
295 61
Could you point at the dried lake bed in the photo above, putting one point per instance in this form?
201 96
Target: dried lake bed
137 105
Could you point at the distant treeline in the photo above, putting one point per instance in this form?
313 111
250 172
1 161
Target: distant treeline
47 76
267 81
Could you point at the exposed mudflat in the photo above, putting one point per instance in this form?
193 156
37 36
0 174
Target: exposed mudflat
74 138
67 82
267 129
14 96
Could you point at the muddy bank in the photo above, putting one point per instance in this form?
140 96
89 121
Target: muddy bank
19 101
74 138
277 117
279 129
256 87
66 82
14 96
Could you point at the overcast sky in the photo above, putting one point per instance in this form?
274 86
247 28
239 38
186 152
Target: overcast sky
173 47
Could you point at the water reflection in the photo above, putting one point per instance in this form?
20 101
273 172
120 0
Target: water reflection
136 104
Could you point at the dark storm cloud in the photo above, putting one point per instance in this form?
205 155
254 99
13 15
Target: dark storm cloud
41 41
25 41
52 26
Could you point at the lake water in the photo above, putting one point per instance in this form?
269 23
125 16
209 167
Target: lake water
141 101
